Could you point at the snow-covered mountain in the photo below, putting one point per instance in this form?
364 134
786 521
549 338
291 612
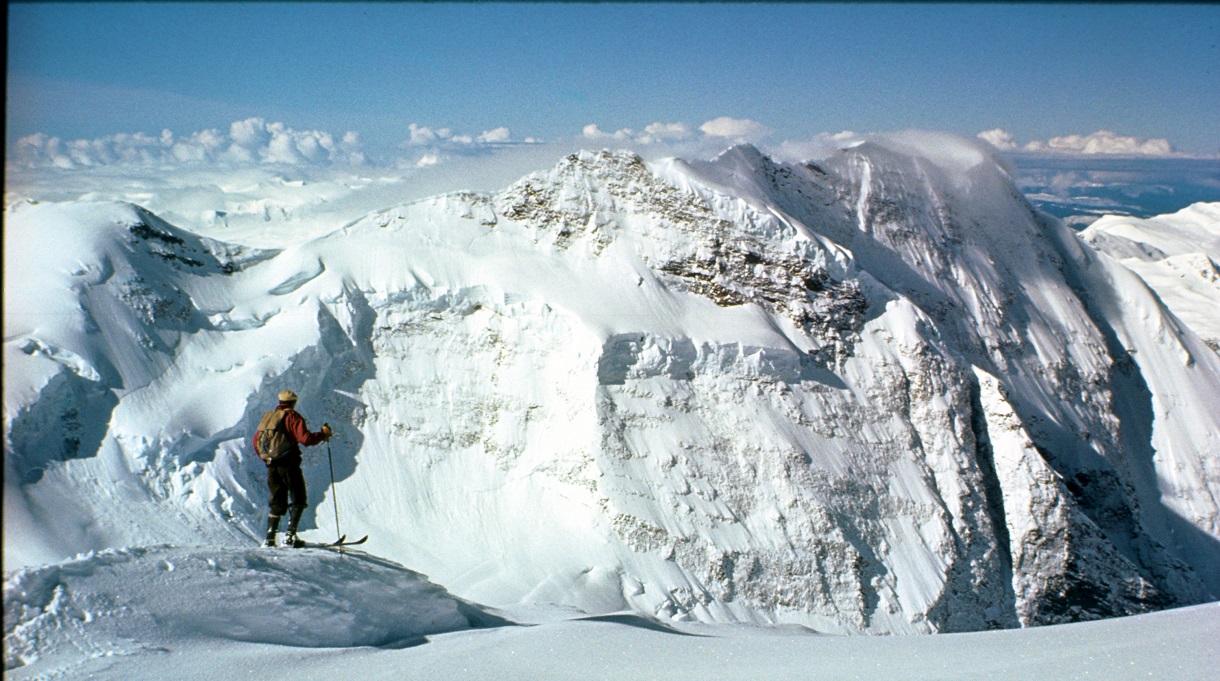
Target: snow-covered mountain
1175 255
878 392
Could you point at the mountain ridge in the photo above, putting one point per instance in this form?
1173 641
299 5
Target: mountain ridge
733 390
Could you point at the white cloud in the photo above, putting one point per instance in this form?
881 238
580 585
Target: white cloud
661 139
663 132
818 147
281 149
421 135
653 133
253 140
735 128
998 138
591 131
496 136
1100 142
428 146
424 136
249 133
1105 142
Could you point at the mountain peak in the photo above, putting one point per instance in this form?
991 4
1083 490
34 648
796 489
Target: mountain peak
872 393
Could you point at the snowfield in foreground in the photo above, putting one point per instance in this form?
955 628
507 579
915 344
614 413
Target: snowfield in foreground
192 613
125 602
876 392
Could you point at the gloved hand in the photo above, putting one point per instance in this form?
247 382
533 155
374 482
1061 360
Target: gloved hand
326 431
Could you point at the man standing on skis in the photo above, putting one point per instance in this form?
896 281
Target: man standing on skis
281 433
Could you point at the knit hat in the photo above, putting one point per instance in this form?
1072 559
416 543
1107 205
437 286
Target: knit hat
288 396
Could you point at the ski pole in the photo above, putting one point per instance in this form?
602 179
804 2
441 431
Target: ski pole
330 459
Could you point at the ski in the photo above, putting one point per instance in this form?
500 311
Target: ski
341 543
336 544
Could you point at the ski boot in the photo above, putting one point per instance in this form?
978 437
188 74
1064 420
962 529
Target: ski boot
273 525
294 517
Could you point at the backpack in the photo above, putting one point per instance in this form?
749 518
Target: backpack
272 441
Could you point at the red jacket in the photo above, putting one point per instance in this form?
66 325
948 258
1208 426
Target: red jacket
294 423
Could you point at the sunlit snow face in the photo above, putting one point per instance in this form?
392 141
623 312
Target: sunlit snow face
655 385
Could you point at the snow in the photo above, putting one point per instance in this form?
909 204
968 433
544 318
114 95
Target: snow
169 595
1176 256
196 613
761 404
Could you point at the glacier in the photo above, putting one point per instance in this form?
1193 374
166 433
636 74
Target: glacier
875 392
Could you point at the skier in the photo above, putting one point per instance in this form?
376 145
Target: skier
281 432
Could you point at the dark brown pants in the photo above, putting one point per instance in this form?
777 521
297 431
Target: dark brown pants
284 481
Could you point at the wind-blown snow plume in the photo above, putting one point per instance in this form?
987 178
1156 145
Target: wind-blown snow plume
874 393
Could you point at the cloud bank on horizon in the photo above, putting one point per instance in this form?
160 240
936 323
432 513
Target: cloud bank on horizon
256 141
253 140
1100 142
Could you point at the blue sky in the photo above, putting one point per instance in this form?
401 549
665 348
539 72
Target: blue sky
88 70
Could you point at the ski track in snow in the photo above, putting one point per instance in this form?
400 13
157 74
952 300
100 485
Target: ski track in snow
873 393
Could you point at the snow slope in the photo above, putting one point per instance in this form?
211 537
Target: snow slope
143 601
874 393
198 613
1176 256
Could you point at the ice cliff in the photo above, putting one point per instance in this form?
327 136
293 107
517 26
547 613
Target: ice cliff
878 392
